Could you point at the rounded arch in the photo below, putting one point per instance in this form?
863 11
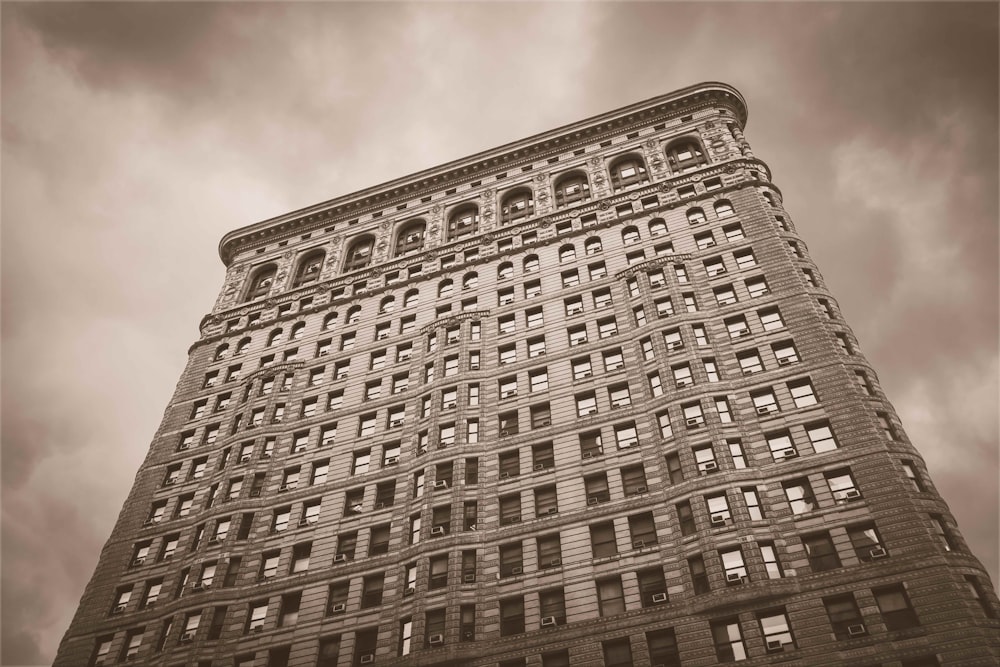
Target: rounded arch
298 330
309 267
387 305
530 264
359 253
724 208
505 270
411 298
330 321
696 215
657 227
353 315
261 280
769 198
573 186
410 237
243 345
463 221
567 253
445 287
221 352
516 204
626 170
274 337
685 154
593 245
631 235
470 280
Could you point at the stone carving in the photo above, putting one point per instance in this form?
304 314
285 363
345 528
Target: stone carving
541 178
651 143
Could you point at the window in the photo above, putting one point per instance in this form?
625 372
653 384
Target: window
626 435
723 208
617 652
770 557
664 307
894 604
590 444
866 542
729 646
699 576
511 616
463 221
711 370
693 417
776 630
696 216
785 353
821 552
821 437
910 470
718 510
610 596
844 343
641 527
733 565
704 457
662 646
510 509
571 187
548 551
359 253
800 496
725 296
764 401
602 539
770 319
842 485
845 617
360 463
862 381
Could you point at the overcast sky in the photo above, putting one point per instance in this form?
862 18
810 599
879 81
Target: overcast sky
135 136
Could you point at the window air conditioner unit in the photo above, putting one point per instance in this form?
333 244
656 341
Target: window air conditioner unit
693 422
585 374
303 522
340 558
245 458
659 597
187 637
391 460
709 466
197 586
551 510
367 659
265 456
764 409
574 311
787 453
468 635
593 500
784 361
468 578
639 489
441 484
734 578
505 475
856 630
435 640
588 411
539 466
254 493
282 488
516 570
588 455
878 552
682 383
718 519
437 530
395 423
555 562
169 482
774 645
505 432
148 522
119 608
851 494
548 621
675 345
215 540
509 393
514 519
710 243
639 544
544 422
139 560
742 332
258 629
408 591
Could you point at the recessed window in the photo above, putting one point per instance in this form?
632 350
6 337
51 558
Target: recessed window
571 187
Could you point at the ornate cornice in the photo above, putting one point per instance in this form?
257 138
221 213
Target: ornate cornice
486 163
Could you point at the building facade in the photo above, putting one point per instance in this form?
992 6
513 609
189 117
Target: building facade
583 399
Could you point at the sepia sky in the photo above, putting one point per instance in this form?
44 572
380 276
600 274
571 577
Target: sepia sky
136 135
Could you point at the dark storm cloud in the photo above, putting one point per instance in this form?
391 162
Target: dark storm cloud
136 135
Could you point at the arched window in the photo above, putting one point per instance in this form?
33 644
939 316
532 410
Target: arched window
723 208
410 238
505 271
463 221
530 263
243 346
298 330
695 215
309 268
387 305
411 298
770 200
593 245
353 315
445 287
630 235
626 171
359 253
261 282
470 280
515 205
567 253
572 187
657 227
221 352
275 337
330 321
684 155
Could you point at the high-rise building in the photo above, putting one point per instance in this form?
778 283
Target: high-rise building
583 399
